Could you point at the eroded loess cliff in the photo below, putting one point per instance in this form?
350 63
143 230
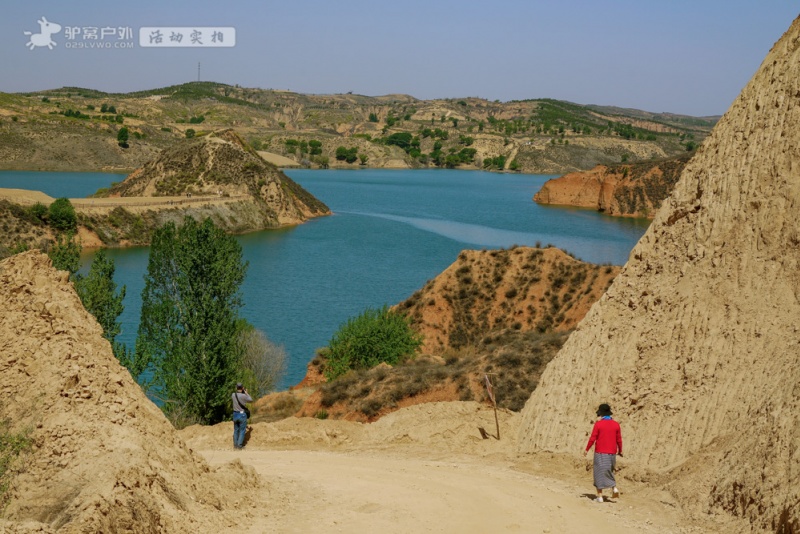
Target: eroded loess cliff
696 345
103 457
626 190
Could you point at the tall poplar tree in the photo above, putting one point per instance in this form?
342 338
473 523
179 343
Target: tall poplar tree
190 308
98 293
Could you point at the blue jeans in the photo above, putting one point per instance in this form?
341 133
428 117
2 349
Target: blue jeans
239 427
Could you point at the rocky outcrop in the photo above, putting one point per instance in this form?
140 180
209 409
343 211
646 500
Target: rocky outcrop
696 344
522 288
103 458
628 190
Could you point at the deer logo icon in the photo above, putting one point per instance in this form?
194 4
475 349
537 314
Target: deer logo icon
43 37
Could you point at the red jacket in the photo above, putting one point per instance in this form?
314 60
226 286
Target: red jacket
607 434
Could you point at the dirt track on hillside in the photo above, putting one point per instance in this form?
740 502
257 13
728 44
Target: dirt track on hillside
338 476
397 492
104 205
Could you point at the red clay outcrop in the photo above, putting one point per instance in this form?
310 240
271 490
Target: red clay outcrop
626 190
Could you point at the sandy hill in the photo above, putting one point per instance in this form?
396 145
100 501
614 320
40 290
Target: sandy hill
222 164
103 457
523 288
627 190
695 344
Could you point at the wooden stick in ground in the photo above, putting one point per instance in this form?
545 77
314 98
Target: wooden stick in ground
490 391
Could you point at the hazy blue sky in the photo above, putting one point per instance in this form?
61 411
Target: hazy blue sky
682 56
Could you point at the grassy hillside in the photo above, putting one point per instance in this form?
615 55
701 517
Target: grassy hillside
76 128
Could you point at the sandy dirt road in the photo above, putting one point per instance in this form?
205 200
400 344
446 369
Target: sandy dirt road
27 197
410 491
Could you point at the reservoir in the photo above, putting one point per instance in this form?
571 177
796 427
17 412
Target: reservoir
390 232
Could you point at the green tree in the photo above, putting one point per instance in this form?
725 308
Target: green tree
61 215
452 160
373 117
189 322
190 133
98 293
66 253
364 158
401 139
373 337
122 137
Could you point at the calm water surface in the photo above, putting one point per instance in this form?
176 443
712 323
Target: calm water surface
59 184
391 232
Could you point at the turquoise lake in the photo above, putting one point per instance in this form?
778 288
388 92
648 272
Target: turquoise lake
391 231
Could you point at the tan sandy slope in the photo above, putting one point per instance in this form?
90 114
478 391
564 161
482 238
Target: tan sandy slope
104 459
697 344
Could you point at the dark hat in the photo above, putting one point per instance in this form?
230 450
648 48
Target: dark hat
604 410
239 385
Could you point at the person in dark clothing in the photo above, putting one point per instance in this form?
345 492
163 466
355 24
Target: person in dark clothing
607 440
239 398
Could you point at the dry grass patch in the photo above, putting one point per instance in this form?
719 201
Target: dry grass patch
515 359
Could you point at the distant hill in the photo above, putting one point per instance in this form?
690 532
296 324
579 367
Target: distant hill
74 128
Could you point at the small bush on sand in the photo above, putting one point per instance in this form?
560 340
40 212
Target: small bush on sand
373 337
11 447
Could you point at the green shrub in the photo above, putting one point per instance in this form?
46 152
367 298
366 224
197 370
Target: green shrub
61 215
373 337
39 211
347 154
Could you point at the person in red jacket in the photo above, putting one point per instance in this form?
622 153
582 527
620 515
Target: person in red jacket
607 440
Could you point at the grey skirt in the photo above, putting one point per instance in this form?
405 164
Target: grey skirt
603 470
